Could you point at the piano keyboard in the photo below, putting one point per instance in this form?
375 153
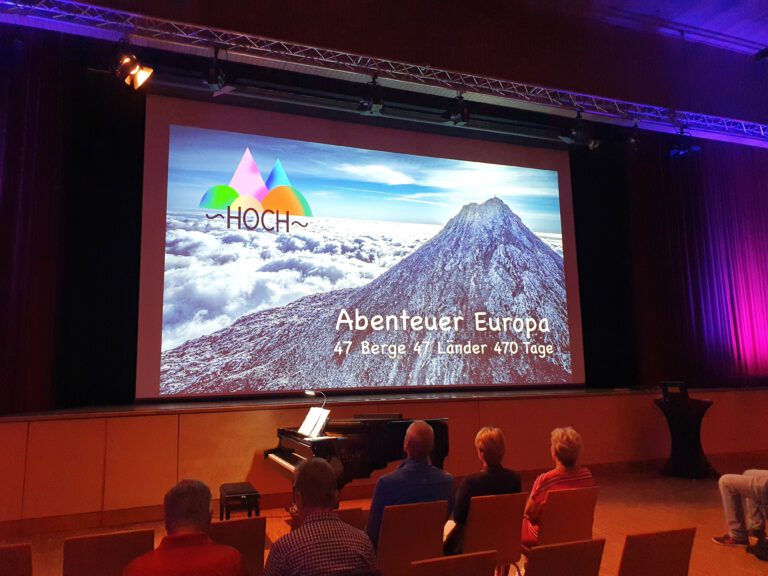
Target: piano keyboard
287 461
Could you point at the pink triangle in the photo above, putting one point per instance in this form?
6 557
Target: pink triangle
247 179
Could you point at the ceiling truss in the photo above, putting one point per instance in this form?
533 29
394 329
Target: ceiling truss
171 35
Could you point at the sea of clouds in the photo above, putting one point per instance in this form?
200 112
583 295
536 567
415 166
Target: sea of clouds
215 275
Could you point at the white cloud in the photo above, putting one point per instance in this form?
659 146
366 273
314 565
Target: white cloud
377 173
215 275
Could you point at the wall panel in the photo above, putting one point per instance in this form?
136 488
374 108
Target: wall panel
91 463
65 467
141 460
13 439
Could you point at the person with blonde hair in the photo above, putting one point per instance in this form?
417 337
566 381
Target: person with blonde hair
493 478
565 449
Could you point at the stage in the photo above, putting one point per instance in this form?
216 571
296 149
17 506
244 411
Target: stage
78 470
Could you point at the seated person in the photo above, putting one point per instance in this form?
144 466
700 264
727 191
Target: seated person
187 549
565 448
322 545
745 503
415 480
493 478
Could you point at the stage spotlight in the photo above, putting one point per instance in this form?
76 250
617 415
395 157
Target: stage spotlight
634 137
577 133
683 145
130 71
458 111
374 99
215 78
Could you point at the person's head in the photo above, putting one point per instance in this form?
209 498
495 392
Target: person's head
187 507
419 439
315 486
490 445
566 446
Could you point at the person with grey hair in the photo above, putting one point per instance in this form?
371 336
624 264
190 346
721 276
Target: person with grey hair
187 549
322 545
415 480
565 449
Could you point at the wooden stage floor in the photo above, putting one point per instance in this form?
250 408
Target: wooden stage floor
628 503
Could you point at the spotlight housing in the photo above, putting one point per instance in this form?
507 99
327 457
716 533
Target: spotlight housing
130 70
683 145
577 132
458 111
214 76
634 137
373 101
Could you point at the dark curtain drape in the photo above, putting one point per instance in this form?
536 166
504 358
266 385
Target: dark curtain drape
71 151
34 93
604 252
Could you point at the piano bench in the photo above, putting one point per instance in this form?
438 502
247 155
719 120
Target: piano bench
238 495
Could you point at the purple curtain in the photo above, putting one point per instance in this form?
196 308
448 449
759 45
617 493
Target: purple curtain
700 263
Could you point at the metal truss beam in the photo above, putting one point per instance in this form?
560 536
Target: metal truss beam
136 26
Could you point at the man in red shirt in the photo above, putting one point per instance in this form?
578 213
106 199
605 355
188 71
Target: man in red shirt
187 550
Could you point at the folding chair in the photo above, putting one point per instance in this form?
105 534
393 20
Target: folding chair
16 560
472 564
105 554
495 523
572 558
666 553
567 516
410 532
247 535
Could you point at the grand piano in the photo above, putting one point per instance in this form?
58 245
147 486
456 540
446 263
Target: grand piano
354 447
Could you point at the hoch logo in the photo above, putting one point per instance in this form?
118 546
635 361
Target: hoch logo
252 203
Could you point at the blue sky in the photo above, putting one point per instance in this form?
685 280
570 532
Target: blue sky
343 182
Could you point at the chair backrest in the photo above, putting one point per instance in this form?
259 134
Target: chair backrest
246 535
572 558
666 553
471 564
567 515
495 523
105 554
16 560
410 532
352 516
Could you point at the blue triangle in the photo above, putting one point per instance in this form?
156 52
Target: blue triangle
278 177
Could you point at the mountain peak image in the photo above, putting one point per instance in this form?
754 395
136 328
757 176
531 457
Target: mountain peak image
484 260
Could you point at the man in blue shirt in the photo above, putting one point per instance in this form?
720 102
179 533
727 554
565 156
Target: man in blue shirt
415 480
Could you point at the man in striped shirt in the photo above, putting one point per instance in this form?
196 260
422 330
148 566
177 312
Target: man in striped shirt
322 545
565 449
